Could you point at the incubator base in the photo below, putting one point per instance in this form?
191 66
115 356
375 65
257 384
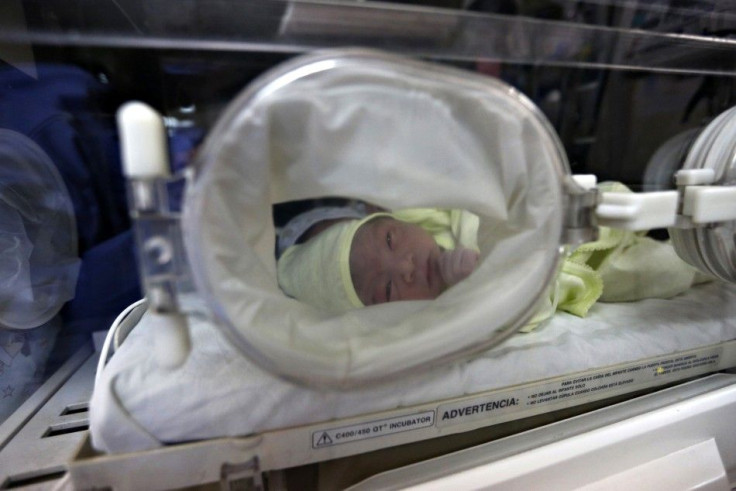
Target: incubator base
61 457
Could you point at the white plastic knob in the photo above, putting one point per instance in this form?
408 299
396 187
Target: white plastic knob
694 177
706 204
143 143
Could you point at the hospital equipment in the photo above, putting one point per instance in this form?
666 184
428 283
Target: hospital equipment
426 385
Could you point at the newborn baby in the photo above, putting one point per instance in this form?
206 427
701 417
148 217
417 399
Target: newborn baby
384 257
393 260
416 254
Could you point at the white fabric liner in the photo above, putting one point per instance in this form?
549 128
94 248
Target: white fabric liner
394 133
219 393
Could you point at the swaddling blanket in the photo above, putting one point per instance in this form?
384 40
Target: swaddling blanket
217 392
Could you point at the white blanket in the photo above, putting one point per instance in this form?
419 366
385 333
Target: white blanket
218 393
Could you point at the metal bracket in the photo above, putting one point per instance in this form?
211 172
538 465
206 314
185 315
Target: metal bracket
581 199
156 225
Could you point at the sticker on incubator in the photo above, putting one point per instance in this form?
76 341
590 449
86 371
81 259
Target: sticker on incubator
372 429
477 408
579 389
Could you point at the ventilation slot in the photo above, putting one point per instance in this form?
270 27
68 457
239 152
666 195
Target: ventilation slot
65 428
15 482
81 407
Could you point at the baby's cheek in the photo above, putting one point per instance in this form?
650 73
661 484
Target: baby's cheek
469 261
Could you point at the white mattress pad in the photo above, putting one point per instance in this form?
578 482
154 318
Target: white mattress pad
217 392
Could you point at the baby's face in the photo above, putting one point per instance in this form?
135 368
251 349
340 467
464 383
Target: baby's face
392 260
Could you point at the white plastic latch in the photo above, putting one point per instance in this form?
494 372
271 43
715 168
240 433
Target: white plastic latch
586 181
637 211
706 204
695 177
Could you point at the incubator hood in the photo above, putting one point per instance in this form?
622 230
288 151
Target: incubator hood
397 133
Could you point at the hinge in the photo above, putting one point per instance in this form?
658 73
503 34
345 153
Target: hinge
243 476
581 199
638 211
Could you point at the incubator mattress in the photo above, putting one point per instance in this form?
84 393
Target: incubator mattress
137 405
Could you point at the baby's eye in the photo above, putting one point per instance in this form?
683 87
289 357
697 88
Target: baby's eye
388 291
389 240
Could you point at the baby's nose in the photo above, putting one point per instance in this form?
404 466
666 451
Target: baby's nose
406 267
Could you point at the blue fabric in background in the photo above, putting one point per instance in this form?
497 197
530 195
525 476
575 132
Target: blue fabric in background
61 112
108 283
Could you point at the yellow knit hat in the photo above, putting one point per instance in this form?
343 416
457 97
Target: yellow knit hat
317 272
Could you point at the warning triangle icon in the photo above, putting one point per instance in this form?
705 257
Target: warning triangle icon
324 440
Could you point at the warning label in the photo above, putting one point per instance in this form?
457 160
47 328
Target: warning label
590 386
372 429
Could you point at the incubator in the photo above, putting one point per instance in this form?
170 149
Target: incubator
515 116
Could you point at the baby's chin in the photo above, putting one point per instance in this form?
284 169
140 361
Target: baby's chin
440 290
437 284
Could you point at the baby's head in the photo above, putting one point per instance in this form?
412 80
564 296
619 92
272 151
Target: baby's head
391 260
355 263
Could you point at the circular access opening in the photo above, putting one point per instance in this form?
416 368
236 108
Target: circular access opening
398 134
